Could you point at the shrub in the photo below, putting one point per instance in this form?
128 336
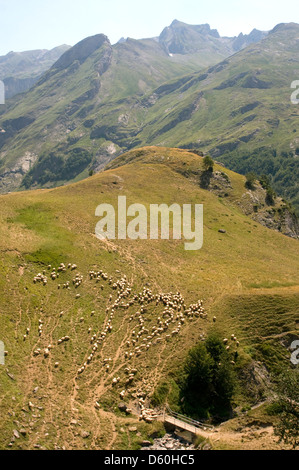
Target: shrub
208 163
270 196
160 394
287 392
250 180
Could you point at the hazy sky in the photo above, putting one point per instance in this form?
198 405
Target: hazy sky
44 24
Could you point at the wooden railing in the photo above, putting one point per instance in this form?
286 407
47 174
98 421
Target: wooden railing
187 420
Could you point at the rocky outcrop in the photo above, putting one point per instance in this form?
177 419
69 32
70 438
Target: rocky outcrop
168 442
11 179
275 216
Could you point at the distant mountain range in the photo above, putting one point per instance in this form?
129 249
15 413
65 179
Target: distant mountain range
181 38
188 88
21 70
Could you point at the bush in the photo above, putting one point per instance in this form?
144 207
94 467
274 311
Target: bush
265 181
270 196
208 163
160 394
274 409
250 180
287 393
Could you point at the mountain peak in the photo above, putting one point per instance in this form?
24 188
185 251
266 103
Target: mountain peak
284 27
81 51
182 38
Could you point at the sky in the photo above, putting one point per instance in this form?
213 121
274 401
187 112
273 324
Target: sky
45 24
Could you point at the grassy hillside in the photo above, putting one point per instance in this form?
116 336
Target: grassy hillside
247 277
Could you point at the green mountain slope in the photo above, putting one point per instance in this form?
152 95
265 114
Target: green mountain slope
240 111
91 79
89 108
97 98
51 320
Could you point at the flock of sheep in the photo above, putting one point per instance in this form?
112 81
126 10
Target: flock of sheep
144 330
